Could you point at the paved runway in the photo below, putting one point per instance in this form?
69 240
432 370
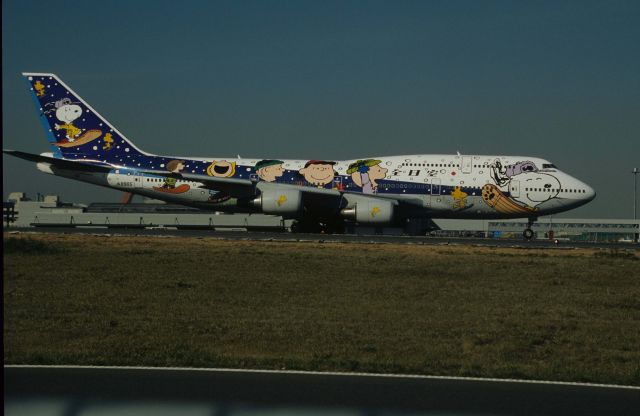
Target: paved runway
228 392
351 238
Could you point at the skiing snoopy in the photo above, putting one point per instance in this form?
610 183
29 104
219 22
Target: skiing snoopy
67 112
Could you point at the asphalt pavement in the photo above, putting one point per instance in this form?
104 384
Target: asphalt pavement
328 238
229 392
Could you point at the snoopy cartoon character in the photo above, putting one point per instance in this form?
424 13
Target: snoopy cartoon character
67 112
540 187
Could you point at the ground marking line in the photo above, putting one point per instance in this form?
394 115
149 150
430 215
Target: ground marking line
321 373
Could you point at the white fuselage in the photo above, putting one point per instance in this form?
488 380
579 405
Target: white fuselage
445 186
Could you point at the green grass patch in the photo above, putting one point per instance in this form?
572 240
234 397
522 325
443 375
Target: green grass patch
569 315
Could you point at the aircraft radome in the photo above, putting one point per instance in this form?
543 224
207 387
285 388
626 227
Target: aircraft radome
319 194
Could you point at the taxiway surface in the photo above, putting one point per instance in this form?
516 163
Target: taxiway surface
230 391
348 238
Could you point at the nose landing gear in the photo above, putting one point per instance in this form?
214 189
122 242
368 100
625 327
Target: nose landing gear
528 232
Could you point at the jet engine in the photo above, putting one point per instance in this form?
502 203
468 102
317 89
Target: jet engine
370 211
286 203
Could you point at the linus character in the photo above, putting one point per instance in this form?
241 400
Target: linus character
365 173
269 170
318 172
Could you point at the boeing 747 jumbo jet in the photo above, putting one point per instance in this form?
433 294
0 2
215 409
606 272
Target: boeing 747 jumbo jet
378 191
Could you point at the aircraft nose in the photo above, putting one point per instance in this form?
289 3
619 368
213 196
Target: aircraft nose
590 193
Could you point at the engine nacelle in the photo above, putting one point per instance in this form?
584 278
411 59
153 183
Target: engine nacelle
370 211
286 203
45 167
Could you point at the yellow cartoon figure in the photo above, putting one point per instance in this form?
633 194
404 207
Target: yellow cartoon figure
281 200
375 211
108 142
72 131
39 87
459 198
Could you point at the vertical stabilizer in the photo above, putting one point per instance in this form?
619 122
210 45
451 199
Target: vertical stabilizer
73 128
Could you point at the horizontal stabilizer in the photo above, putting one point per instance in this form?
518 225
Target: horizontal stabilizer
60 163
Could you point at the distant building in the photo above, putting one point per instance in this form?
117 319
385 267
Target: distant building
49 210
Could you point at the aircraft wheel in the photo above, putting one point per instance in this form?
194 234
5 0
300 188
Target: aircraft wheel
528 234
337 227
306 226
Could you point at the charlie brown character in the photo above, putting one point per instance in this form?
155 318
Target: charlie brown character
269 170
365 173
318 172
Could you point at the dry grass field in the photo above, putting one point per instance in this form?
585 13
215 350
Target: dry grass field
554 314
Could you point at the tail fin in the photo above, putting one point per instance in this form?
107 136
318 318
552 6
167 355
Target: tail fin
73 128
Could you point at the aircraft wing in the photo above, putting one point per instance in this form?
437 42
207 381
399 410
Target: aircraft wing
237 188
316 201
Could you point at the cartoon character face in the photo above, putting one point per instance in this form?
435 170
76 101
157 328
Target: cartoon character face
365 173
170 182
318 172
269 170
68 112
175 166
221 169
502 174
377 172
548 188
519 168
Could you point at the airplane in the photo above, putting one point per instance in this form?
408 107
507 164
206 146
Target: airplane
318 194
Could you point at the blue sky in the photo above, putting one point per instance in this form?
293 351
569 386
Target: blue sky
337 80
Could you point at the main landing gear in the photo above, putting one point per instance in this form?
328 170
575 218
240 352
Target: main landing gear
528 232
318 226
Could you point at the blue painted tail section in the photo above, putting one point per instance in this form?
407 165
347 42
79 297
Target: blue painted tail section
75 130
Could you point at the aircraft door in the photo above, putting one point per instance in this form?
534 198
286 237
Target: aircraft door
435 186
514 188
435 192
138 180
337 183
467 164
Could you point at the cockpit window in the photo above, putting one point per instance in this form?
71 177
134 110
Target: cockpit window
549 166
